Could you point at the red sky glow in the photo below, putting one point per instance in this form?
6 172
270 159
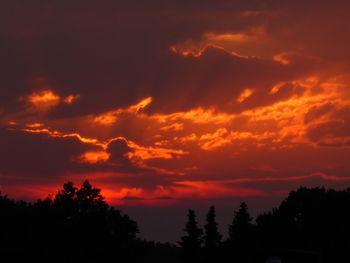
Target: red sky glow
166 103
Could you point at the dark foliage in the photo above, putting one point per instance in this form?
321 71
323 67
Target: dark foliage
77 225
241 226
314 222
212 236
241 234
192 241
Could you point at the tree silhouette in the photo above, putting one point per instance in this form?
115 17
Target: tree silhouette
191 243
310 220
240 243
212 236
65 199
86 223
241 226
89 198
77 225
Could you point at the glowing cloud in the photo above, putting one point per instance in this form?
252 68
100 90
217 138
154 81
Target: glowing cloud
34 125
71 99
94 157
231 42
111 117
198 116
284 57
137 155
175 127
141 105
145 153
245 95
44 100
107 119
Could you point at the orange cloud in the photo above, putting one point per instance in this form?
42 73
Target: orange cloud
111 117
283 57
138 154
94 157
245 95
107 119
141 105
175 127
63 135
46 99
276 88
145 153
233 43
211 141
255 92
71 98
279 124
167 144
198 116
35 125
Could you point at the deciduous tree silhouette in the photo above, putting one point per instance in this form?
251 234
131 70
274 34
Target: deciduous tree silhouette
80 200
310 220
65 200
76 226
88 197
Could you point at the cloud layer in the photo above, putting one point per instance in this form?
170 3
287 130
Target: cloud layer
161 102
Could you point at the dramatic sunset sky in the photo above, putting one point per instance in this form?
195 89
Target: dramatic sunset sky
166 105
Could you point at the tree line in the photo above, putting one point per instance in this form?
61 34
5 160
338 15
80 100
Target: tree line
77 225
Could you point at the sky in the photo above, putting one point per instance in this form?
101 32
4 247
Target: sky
170 105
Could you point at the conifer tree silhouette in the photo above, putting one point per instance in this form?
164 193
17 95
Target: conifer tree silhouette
241 242
212 236
192 241
241 226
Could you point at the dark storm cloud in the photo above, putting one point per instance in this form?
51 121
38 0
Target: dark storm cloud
36 155
114 53
120 163
118 150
